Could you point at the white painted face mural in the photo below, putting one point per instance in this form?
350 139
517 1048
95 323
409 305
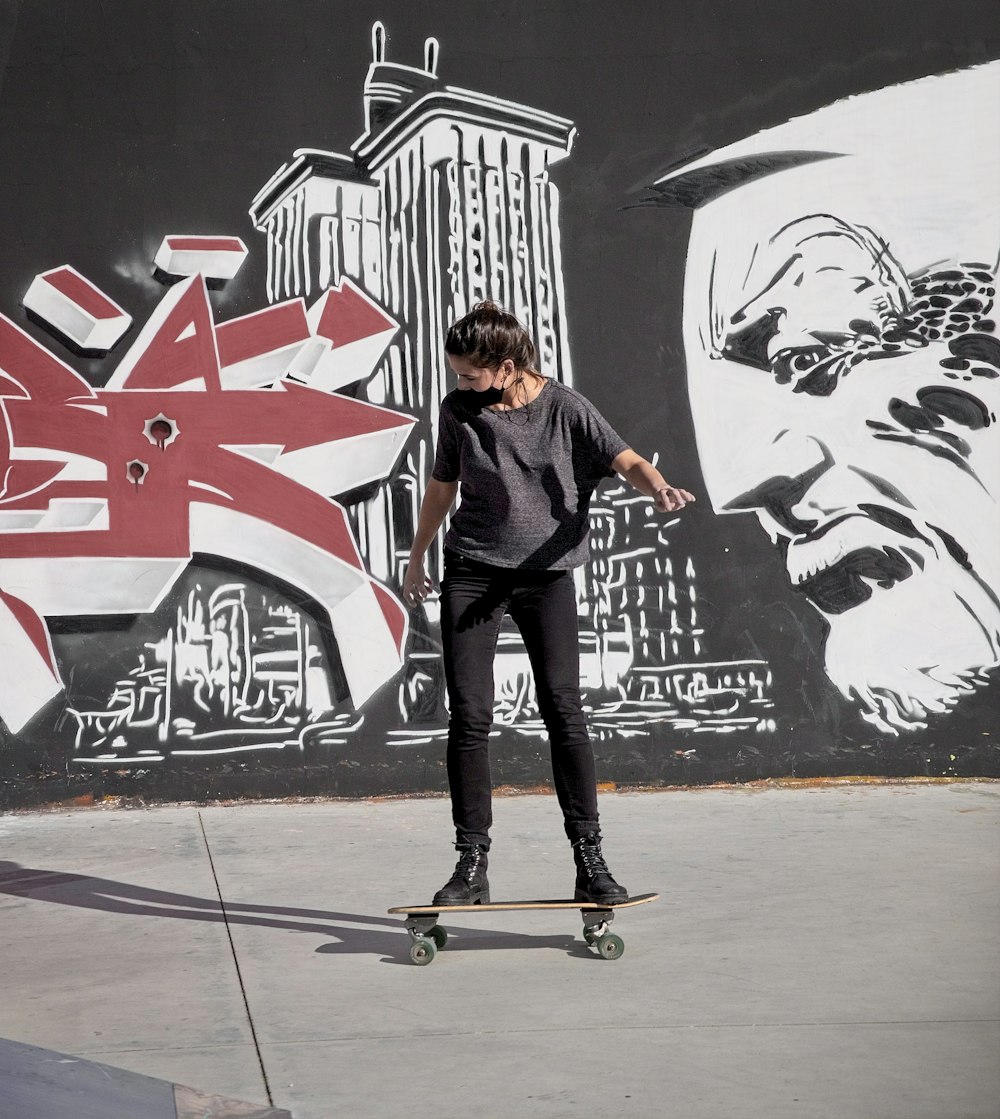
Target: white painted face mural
844 373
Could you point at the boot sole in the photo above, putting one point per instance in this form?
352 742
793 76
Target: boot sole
579 895
483 898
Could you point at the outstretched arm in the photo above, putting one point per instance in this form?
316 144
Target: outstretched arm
644 477
438 499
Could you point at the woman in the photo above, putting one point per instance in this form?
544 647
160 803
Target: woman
528 453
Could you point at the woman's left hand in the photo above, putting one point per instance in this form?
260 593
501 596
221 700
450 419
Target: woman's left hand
668 499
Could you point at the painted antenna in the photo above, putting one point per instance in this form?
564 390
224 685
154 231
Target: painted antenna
379 38
432 50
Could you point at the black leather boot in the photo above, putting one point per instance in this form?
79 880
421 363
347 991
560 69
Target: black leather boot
593 879
468 885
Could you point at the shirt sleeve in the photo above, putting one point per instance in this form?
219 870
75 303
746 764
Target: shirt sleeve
447 460
604 442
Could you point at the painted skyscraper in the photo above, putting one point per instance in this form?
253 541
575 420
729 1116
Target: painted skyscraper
445 200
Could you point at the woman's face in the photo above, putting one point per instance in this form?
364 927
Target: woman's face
477 378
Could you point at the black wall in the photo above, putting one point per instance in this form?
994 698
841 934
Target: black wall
123 121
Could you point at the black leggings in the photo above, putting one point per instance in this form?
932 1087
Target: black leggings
474 599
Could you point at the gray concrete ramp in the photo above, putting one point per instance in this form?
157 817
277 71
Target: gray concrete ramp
41 1084
815 953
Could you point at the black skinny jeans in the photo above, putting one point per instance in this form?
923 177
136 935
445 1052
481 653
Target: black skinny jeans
474 599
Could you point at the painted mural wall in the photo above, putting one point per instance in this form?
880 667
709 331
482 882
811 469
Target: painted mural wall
234 242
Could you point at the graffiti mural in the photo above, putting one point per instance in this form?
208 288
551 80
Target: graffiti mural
844 365
108 493
214 443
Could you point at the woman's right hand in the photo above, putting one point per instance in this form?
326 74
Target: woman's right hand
416 583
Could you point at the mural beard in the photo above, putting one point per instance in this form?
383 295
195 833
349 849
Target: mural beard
889 530
844 375
901 673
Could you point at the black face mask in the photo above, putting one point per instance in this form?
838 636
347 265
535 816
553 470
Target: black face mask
483 398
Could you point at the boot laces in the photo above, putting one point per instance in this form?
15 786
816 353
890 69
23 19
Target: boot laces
468 863
591 857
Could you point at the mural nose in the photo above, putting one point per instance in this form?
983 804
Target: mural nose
781 476
756 440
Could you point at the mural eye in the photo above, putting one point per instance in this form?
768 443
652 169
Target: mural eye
791 364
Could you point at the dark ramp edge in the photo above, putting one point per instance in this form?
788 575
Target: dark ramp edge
41 1084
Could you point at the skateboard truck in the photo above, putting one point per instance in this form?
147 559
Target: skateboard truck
596 923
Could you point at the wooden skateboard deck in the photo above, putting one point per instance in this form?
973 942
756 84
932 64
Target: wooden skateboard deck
639 899
428 937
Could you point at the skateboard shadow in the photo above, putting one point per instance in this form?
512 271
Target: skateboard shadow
106 895
388 939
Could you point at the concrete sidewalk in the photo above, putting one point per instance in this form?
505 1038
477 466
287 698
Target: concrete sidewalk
827 953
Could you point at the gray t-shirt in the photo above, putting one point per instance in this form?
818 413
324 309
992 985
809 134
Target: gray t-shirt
526 477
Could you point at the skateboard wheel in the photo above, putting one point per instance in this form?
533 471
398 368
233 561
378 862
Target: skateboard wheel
439 936
423 951
610 946
590 937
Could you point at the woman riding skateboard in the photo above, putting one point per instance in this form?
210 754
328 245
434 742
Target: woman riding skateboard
528 453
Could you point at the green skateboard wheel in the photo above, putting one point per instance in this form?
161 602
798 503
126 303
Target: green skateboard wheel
611 946
423 951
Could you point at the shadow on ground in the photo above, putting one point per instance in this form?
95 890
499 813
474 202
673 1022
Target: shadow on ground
389 941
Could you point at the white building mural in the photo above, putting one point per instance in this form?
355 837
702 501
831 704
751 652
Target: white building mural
446 200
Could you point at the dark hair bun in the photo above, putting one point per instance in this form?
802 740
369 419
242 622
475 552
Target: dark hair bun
490 335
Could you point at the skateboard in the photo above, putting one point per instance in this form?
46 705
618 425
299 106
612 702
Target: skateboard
428 937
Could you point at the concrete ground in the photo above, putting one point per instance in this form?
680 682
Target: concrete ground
817 953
